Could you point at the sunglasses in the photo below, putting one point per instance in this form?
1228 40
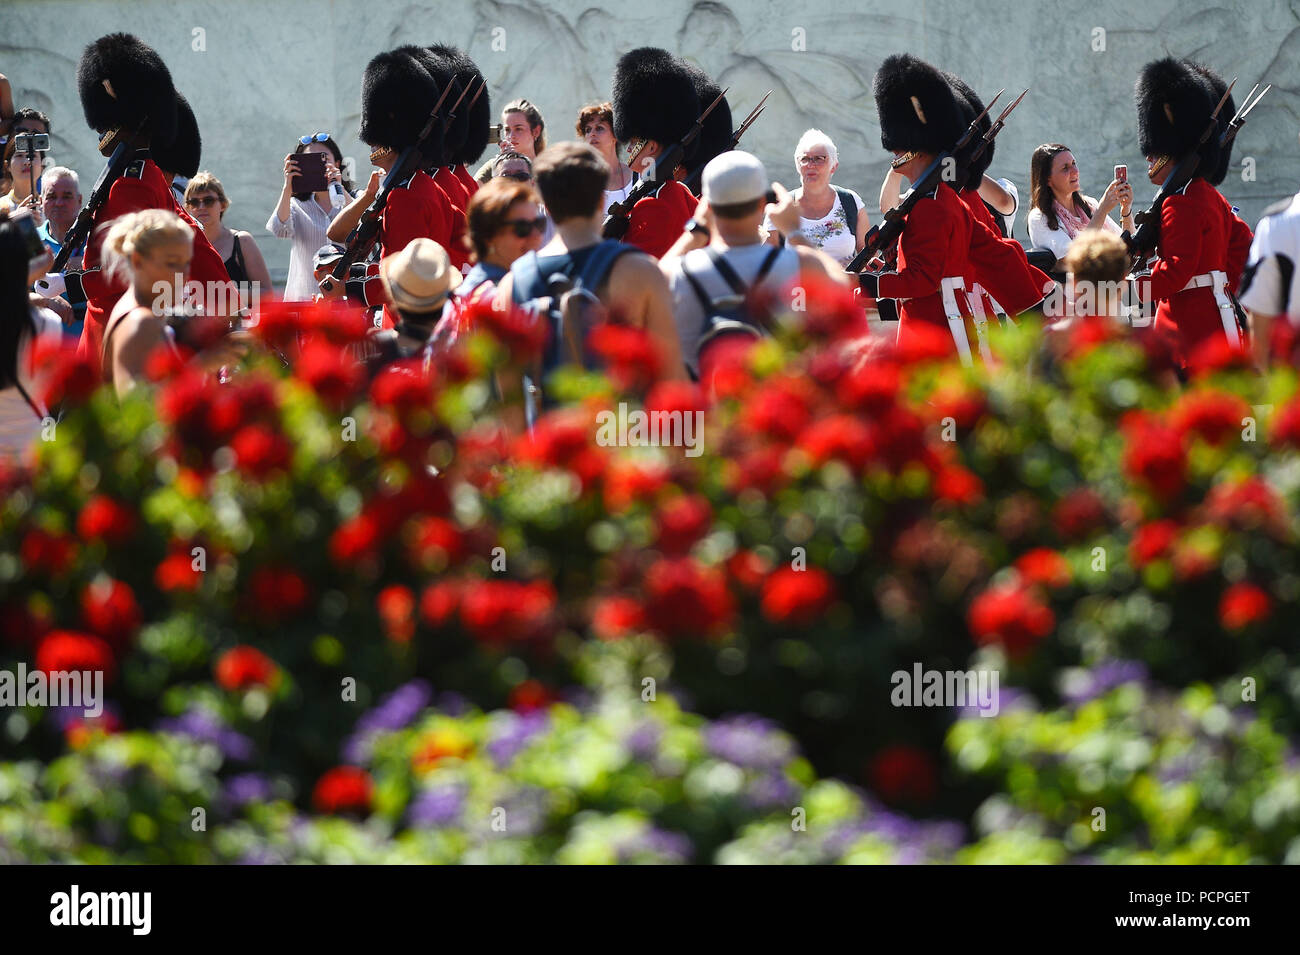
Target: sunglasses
516 176
523 228
318 138
206 202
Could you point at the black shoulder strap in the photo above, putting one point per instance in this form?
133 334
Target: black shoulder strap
850 206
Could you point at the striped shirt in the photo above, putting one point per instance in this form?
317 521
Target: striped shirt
307 225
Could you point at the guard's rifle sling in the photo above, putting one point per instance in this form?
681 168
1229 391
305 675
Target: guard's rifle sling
665 165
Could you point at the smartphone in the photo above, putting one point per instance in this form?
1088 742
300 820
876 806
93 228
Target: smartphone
311 173
27 229
32 142
494 134
1121 173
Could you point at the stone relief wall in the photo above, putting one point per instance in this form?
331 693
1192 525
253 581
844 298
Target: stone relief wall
261 74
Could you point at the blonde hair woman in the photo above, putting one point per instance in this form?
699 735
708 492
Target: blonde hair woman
148 248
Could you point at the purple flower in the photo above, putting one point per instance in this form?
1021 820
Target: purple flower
516 732
1104 677
207 727
661 844
394 712
247 788
771 790
748 741
261 856
438 807
643 742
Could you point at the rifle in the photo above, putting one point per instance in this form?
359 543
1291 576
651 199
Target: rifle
79 232
412 159
616 221
693 180
1239 120
886 233
1143 242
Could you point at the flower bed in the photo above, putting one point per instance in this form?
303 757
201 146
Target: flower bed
273 572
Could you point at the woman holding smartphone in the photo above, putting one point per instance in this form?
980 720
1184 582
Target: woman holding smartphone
1060 211
305 215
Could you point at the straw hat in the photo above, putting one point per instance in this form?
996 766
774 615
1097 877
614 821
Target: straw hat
419 278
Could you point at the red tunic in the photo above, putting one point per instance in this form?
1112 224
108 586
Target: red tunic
1002 268
1198 234
132 193
657 221
467 180
939 242
458 249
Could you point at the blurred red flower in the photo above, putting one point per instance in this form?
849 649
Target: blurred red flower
797 597
630 355
1011 615
685 598
616 617
434 543
903 774
67 379
103 518
1155 456
1244 604
1285 430
521 332
870 386
396 605
1078 514
747 569
331 371
629 480
1247 504
243 667
405 386
277 593
109 609
66 650
1153 541
958 485
505 611
1213 415
780 409
260 451
343 789
355 540
22 624
842 437
175 573
44 552
681 522
531 695
1045 567
439 602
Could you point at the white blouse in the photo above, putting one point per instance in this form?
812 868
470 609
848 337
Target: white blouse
1058 240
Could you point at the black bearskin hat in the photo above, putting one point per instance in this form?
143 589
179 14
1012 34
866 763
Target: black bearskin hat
971 106
440 75
1215 161
477 119
1173 106
183 154
715 135
654 97
397 95
918 109
141 87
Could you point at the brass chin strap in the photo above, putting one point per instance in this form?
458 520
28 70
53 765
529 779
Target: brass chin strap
379 152
903 160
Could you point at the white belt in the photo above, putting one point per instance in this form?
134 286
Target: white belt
976 299
949 288
1218 281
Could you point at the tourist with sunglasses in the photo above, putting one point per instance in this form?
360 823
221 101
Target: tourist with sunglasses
305 217
505 220
833 219
206 202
